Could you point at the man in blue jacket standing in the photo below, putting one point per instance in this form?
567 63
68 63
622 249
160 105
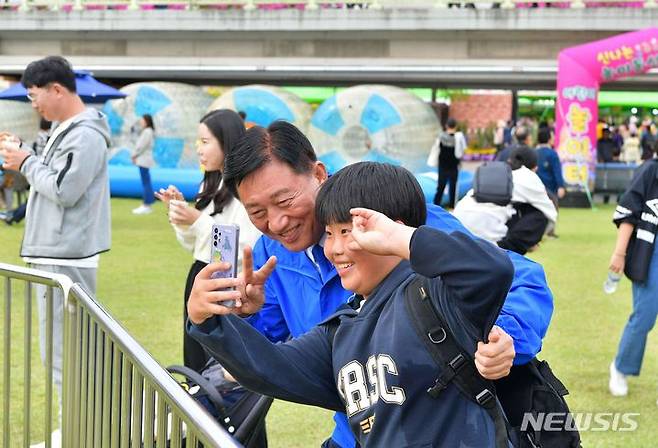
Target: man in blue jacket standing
549 167
276 175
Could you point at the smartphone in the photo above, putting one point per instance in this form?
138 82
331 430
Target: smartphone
224 241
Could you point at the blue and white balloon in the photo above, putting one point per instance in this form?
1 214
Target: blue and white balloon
374 122
20 119
264 104
176 109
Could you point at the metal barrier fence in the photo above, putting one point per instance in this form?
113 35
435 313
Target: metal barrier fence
114 393
78 5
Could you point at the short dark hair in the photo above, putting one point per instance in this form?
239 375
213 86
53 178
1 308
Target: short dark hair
227 127
544 135
388 189
280 140
451 123
48 70
523 156
521 134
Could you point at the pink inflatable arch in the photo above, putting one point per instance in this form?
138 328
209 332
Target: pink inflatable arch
581 70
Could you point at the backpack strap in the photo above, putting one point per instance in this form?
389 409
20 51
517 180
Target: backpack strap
455 365
205 385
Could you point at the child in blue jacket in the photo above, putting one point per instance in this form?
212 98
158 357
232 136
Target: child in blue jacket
373 366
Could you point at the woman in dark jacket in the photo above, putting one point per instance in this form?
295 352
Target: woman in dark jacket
636 255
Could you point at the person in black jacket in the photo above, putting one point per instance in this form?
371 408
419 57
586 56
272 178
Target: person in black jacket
450 145
648 141
636 255
606 148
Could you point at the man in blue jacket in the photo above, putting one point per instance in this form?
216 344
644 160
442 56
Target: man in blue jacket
549 167
276 175
368 360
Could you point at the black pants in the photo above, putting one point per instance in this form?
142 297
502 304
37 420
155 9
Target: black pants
447 174
194 355
525 229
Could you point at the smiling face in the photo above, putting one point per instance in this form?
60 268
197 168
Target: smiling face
359 271
281 203
210 152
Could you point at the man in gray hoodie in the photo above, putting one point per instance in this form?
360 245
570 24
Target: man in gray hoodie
68 214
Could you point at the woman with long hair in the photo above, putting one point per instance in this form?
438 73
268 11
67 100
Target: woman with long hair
218 133
142 157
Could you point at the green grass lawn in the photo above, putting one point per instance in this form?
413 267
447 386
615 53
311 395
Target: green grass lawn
141 284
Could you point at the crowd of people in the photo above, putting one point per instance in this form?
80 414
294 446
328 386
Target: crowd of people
630 142
530 211
325 265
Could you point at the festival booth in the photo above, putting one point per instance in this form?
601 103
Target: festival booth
581 70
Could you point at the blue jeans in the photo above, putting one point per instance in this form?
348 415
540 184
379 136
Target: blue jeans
147 188
641 321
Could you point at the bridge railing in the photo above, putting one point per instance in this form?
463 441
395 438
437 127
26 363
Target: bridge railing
114 394
26 5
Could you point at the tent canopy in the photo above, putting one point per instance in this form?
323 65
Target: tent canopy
89 88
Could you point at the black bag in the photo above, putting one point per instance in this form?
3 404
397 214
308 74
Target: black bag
526 396
241 412
493 183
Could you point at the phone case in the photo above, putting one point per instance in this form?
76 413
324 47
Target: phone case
224 247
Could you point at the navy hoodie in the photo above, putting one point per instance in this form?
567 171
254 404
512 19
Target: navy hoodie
376 369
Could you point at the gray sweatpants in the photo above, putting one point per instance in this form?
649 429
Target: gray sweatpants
84 276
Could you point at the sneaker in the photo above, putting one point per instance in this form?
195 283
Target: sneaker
618 385
142 210
55 440
7 217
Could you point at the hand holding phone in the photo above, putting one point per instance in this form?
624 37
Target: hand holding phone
170 194
224 241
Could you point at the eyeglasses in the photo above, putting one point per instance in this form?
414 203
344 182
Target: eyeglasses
34 97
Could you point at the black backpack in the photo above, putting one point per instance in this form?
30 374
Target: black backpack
493 183
526 396
241 412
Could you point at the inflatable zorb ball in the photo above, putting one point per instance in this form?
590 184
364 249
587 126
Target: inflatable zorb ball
376 123
176 110
265 104
19 119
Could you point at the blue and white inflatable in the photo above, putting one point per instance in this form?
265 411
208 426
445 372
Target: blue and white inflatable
20 119
378 123
374 122
429 179
264 104
176 109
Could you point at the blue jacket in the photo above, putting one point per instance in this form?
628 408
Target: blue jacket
298 297
549 168
381 381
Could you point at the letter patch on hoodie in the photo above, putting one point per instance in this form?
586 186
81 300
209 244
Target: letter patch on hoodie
360 387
